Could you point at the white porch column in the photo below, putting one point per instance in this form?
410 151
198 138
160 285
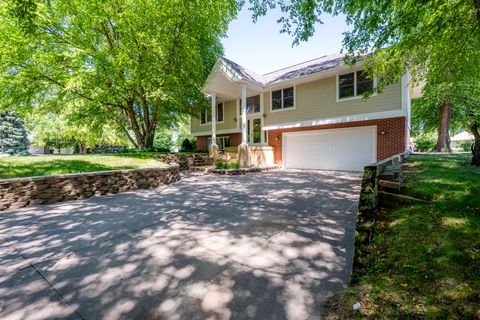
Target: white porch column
214 119
243 151
244 114
213 148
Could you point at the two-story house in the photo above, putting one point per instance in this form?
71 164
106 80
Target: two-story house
308 116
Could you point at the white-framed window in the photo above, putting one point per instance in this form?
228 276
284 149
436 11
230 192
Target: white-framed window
253 104
206 114
222 142
353 85
283 99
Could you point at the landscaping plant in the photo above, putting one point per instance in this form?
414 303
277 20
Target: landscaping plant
227 165
13 135
424 142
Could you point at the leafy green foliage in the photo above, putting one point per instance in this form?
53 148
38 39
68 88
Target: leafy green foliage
423 262
465 145
13 135
425 142
227 165
139 63
163 139
428 37
187 145
67 131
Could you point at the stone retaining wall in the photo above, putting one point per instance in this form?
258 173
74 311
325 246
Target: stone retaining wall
186 161
23 192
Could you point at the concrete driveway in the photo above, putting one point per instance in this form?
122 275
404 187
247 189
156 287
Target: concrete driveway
267 246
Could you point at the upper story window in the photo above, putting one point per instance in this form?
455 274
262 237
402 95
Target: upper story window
253 104
283 99
353 84
206 114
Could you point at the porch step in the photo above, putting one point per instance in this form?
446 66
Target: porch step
231 150
229 156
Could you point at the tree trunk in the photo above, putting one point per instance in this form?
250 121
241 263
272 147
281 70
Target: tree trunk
476 3
476 145
443 141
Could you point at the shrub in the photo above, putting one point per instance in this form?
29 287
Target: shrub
227 165
425 142
465 145
13 135
187 145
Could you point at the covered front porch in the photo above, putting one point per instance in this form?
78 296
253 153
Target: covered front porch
249 142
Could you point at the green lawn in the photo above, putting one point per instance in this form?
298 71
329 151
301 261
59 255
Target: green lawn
13 167
424 262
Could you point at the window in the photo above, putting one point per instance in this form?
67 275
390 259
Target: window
206 114
253 104
353 84
220 112
364 84
222 142
283 99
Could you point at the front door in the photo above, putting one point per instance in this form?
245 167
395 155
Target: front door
254 130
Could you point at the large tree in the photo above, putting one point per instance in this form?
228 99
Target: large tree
141 61
438 40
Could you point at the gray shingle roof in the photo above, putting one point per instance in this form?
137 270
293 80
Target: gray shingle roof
296 71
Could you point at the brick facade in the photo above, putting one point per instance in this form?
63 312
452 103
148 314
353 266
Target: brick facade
235 140
388 144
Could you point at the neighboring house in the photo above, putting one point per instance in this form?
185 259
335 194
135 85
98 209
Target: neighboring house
461 137
309 116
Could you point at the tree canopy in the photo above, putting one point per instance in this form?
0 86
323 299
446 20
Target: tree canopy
140 62
402 34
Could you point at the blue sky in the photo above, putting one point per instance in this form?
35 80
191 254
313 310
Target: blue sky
261 48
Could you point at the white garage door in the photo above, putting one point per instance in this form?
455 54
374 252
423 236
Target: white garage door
338 149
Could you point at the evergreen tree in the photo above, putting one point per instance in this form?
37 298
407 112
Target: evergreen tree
13 135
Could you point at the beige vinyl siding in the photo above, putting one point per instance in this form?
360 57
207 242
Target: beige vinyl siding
229 115
317 100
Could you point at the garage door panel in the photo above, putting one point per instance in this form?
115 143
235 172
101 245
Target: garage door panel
338 149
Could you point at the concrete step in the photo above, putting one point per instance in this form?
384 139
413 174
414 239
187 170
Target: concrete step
231 150
201 168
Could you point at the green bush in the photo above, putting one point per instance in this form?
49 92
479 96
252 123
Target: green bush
425 142
227 165
465 145
187 145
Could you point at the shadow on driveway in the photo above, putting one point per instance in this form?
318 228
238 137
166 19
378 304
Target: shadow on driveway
268 246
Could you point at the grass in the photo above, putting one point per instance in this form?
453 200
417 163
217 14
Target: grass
15 167
424 260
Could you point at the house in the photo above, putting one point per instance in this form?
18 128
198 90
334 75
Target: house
458 139
309 116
